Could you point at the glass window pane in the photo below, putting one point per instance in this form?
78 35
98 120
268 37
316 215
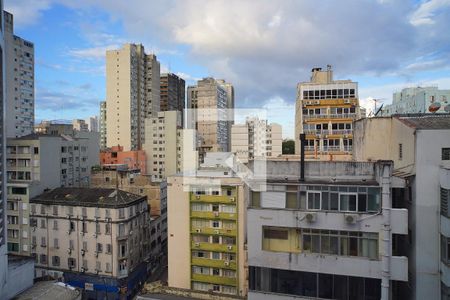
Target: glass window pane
325 244
334 201
344 246
315 244
306 243
325 202
334 245
291 200
362 202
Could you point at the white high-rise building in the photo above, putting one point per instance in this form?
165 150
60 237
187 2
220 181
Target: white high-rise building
19 68
256 139
132 94
92 123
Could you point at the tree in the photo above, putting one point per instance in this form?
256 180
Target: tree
288 147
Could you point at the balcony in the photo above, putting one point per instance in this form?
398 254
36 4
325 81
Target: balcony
122 273
330 116
213 199
214 279
213 215
215 231
214 263
213 247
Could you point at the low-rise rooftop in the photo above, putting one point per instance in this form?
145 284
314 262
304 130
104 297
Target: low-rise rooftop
425 121
97 197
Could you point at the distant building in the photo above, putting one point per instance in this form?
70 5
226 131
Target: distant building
330 235
256 139
96 238
54 128
93 123
325 110
102 125
169 148
19 68
80 125
135 160
173 93
36 163
132 95
419 146
211 101
206 228
413 100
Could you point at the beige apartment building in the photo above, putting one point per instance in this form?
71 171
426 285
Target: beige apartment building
325 110
132 94
206 229
210 102
102 125
256 139
19 68
36 163
170 149
82 235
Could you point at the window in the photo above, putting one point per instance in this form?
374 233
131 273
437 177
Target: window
400 151
445 153
347 202
279 234
215 255
43 259
99 247
56 243
71 262
108 248
444 202
313 200
55 225
445 250
55 261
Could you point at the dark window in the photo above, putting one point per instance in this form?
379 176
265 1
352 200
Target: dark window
445 153
275 234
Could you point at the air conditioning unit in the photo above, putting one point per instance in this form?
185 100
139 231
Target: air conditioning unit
197 197
216 214
347 101
309 102
317 102
95 235
131 232
232 199
82 233
311 217
216 231
350 218
197 244
198 230
227 263
230 247
83 252
69 251
96 253
83 270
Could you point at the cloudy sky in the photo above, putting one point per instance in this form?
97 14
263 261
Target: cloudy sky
263 47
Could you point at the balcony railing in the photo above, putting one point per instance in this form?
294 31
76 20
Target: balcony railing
328 132
331 116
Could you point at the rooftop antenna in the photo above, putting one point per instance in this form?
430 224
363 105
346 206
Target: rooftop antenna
375 101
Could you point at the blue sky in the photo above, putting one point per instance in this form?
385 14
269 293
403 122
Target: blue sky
263 49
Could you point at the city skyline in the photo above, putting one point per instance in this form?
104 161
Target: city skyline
71 42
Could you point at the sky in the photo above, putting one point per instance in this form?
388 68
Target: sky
264 48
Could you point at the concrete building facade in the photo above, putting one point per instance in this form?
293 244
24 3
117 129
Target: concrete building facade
415 100
96 239
132 94
211 101
206 229
171 149
102 125
36 163
419 145
324 111
328 235
135 160
92 123
173 93
256 139
80 125
19 68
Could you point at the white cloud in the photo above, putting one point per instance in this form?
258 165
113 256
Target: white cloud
92 53
424 15
26 12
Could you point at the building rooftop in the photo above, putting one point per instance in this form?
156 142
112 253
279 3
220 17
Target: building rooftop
33 136
425 121
97 197
50 290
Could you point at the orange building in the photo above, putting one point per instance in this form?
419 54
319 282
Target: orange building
116 155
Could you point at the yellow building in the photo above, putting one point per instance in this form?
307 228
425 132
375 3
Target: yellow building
206 229
325 110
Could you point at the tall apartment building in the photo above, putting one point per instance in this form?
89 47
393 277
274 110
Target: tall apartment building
324 111
92 237
328 235
92 123
173 92
211 101
3 242
414 100
256 139
102 125
419 146
132 94
206 229
170 149
36 163
19 68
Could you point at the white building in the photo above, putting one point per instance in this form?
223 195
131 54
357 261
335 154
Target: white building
169 148
92 123
328 235
80 125
414 100
19 68
256 139
419 145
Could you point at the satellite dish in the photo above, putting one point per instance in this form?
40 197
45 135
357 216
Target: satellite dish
447 108
378 111
434 107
